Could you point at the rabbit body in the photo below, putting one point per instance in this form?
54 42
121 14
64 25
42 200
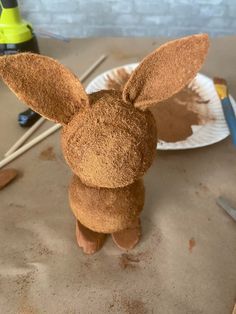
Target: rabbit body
109 137
109 146
106 210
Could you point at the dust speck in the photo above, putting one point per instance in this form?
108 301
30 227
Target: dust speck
131 261
11 204
203 187
191 244
128 261
127 305
132 306
48 154
26 308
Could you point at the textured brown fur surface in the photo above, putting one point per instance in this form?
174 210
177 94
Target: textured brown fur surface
110 144
109 138
106 210
166 71
44 84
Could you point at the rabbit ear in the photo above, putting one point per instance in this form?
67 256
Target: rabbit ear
44 85
166 71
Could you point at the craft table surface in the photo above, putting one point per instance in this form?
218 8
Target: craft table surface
41 268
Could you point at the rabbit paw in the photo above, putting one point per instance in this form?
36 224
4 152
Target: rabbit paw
127 239
88 240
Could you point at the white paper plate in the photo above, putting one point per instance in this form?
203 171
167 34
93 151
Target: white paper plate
203 135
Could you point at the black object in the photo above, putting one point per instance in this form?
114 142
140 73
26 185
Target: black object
17 36
30 45
9 4
28 118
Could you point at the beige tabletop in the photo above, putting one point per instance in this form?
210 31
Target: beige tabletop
186 261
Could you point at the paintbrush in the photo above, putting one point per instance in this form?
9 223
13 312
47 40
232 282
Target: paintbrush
223 93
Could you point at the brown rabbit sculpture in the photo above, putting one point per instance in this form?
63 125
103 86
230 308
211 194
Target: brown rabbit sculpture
108 137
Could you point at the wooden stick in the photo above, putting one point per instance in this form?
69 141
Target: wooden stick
234 309
92 68
27 146
51 130
24 137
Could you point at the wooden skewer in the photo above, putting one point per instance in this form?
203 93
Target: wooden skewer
24 137
234 309
27 146
52 129
92 68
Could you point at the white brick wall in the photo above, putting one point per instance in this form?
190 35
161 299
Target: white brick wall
82 18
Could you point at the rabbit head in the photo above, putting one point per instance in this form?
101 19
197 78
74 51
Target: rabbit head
109 137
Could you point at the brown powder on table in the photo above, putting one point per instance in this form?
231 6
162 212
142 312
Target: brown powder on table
174 116
128 261
48 154
132 261
128 305
132 306
192 244
26 308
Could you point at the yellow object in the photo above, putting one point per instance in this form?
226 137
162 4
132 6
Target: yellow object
221 87
13 30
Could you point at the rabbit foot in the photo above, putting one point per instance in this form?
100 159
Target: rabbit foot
127 239
88 240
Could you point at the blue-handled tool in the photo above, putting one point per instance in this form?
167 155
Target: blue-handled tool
223 93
